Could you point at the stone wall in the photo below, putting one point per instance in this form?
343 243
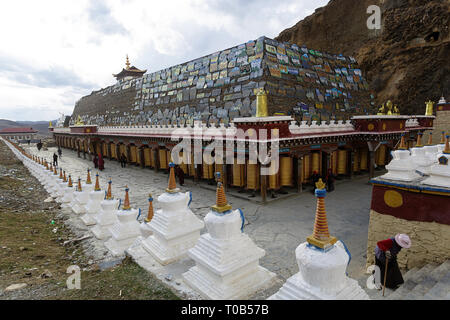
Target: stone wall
441 123
430 240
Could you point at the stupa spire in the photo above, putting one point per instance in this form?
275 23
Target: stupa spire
70 184
64 177
402 143
55 172
108 193
126 203
60 173
127 63
97 183
88 179
419 140
442 137
221 199
172 188
430 139
321 236
79 189
447 146
150 208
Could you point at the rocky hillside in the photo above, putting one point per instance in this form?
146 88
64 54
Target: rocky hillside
407 61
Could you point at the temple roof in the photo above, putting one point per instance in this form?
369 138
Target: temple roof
129 71
18 130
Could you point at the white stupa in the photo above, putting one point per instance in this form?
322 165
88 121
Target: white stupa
107 217
322 265
125 230
227 260
175 227
146 231
61 184
93 205
68 194
440 173
420 158
81 196
401 167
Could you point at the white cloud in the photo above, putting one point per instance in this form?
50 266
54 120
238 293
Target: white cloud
86 41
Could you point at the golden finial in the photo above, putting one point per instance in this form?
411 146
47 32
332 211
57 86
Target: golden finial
320 184
381 110
172 183
55 172
126 203
221 199
79 122
389 107
150 208
396 110
97 184
261 103
429 108
88 179
127 63
321 236
79 189
419 140
402 143
50 125
108 193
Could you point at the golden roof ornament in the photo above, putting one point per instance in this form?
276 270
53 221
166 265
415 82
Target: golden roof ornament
127 64
381 110
261 103
321 236
221 205
396 110
50 125
429 108
389 107
79 122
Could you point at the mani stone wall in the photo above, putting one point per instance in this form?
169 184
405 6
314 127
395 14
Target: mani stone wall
304 83
424 217
442 122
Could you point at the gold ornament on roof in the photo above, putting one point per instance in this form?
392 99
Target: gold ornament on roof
261 103
79 122
429 109
389 107
381 110
396 110
320 184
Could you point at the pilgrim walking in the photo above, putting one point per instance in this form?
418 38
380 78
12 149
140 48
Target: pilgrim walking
386 253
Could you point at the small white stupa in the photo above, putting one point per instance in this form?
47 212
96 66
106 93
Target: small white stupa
62 188
227 260
420 158
401 167
322 265
107 217
125 230
93 205
68 194
81 197
440 173
175 227
54 190
61 183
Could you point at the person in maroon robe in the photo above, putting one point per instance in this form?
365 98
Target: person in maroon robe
101 162
95 161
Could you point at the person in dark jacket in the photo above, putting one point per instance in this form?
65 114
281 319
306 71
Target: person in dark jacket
389 249
101 162
95 161
123 160
55 159
59 152
329 180
180 173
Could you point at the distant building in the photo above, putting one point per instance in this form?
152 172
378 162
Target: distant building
129 72
18 134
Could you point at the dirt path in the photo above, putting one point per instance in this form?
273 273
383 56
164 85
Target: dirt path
32 249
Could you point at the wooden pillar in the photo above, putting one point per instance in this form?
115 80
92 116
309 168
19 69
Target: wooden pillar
141 156
351 163
108 146
371 164
224 176
263 179
156 159
299 174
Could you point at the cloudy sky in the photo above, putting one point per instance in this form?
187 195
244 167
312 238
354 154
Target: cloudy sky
54 52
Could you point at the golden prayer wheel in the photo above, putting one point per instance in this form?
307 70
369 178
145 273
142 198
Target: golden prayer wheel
105 149
286 169
207 171
381 155
147 157
191 166
133 157
138 156
123 150
252 176
113 151
163 159
363 159
274 181
316 162
238 174
356 157
342 162
306 167
97 148
333 160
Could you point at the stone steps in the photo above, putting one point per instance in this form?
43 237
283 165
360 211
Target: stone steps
432 281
